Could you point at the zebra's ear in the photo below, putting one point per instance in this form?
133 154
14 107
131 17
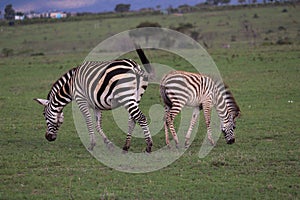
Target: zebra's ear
43 102
239 114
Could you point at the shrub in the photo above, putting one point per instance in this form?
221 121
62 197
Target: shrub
269 31
233 38
281 28
148 24
37 54
195 35
184 27
283 41
7 52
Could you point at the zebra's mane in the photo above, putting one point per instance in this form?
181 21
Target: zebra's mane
234 108
61 82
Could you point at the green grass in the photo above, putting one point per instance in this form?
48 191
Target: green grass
264 77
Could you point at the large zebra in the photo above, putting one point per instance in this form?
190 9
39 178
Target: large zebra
100 86
179 88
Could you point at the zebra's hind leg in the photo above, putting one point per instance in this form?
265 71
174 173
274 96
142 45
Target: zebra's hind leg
144 124
131 125
137 115
174 111
192 124
98 116
166 125
170 121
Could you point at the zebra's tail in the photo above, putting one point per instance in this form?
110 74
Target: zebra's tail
164 95
149 68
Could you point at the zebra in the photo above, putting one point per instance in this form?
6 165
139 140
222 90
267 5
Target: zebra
100 86
180 88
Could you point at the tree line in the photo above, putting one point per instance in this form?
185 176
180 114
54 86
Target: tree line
10 13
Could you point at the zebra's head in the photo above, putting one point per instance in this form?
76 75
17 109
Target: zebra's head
228 130
54 119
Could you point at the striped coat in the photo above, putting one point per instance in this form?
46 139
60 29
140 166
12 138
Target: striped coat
179 89
100 86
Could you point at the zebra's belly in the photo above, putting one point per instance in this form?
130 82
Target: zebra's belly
192 103
195 102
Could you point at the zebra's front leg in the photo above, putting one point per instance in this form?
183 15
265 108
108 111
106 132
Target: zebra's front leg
207 111
131 125
192 124
98 116
89 123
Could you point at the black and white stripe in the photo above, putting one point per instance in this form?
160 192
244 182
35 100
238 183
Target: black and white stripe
179 89
100 86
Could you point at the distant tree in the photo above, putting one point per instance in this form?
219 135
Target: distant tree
184 8
224 2
170 10
144 32
213 2
19 13
9 12
122 7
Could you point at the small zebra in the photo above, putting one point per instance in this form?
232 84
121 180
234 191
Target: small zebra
100 86
179 89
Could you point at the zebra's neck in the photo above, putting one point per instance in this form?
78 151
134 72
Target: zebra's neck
231 104
61 92
220 103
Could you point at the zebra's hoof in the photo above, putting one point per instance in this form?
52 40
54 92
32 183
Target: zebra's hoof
211 142
148 149
147 153
90 148
125 149
110 146
186 144
93 144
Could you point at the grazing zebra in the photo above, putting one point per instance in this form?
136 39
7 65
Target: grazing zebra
179 88
100 86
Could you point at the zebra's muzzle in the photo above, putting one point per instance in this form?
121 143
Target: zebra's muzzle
50 137
231 141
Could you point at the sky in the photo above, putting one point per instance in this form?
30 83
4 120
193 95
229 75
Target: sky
89 5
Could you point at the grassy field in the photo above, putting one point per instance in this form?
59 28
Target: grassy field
262 73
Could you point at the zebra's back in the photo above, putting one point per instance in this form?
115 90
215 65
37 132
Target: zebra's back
185 88
179 89
106 85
